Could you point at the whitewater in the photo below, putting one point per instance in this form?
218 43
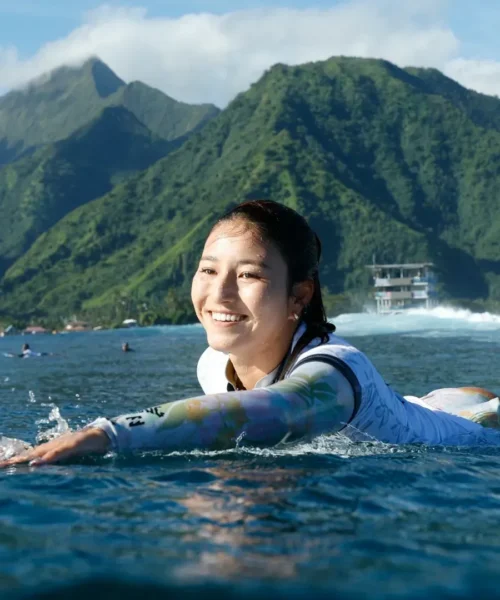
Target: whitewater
441 320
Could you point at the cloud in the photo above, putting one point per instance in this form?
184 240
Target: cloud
480 75
210 58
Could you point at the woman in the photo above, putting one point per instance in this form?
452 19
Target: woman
274 370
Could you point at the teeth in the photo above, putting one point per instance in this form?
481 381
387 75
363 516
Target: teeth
226 317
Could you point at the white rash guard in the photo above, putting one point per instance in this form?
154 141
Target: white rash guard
381 413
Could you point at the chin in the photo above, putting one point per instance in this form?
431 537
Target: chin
220 343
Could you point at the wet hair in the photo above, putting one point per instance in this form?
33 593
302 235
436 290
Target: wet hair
300 248
26 347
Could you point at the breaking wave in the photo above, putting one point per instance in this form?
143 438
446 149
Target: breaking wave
441 320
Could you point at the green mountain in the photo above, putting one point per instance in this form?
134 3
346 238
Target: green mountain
38 190
400 163
481 109
168 118
58 104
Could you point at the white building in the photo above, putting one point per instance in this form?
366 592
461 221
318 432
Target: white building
401 286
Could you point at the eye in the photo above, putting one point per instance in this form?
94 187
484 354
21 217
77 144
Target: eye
248 275
207 270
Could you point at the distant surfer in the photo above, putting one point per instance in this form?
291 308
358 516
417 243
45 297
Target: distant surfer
26 352
127 348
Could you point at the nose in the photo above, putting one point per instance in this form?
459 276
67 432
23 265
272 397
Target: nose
225 288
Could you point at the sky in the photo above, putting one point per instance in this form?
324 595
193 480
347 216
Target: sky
210 50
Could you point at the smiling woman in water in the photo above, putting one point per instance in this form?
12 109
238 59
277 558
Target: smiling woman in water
274 370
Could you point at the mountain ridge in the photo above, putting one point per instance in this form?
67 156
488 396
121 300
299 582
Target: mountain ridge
371 154
56 105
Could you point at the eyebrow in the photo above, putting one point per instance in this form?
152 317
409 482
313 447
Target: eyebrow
246 261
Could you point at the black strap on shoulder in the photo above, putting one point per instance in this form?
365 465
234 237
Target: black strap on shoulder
346 371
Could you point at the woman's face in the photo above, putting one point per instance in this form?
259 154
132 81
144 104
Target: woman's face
240 294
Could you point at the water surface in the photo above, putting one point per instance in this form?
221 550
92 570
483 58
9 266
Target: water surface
324 519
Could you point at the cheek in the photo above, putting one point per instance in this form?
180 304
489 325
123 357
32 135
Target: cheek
196 291
267 303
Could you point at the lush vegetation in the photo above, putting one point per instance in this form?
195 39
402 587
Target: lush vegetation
56 105
397 163
38 190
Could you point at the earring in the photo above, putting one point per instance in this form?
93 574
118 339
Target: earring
295 316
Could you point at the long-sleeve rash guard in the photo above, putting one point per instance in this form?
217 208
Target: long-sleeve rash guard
316 398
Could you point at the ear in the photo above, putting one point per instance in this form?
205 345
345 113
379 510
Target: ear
302 294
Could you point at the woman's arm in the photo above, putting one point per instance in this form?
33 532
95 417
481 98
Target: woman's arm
315 399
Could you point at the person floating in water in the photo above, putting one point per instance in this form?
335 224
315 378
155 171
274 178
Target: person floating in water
274 370
127 348
26 352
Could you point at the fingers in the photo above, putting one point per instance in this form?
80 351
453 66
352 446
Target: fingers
37 458
68 445
19 459
34 453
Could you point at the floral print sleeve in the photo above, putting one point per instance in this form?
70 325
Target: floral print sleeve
315 399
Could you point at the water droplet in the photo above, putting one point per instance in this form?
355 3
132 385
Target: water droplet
239 439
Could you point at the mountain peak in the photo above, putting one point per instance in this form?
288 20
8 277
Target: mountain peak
67 97
93 70
106 81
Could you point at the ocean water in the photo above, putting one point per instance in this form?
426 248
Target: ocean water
325 519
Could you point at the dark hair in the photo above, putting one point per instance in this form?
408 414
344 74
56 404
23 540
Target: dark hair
300 248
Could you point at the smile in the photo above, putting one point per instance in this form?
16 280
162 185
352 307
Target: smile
226 317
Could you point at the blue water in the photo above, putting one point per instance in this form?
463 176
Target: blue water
326 519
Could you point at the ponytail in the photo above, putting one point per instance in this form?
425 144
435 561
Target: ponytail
314 314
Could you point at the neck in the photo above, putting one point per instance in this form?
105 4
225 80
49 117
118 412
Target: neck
249 375
250 368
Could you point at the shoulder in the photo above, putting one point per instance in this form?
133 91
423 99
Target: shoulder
334 346
211 371
339 354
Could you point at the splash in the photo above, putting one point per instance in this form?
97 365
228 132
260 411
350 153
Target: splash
337 445
61 426
10 447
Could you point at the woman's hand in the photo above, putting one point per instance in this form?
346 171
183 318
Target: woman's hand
86 441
